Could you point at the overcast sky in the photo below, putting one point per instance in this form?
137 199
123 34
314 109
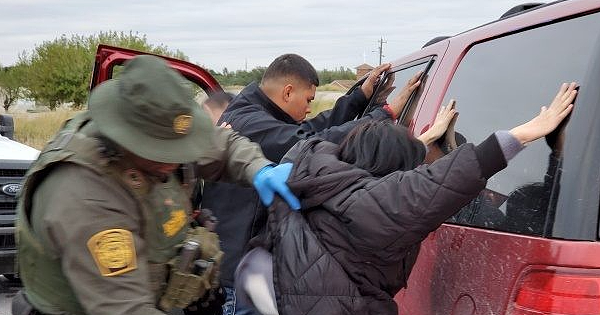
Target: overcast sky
233 33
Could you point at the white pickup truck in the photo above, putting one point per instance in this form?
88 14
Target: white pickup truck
15 159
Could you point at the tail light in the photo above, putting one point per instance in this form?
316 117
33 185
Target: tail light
547 290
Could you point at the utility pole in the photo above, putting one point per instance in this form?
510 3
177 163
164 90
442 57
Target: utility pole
380 49
246 65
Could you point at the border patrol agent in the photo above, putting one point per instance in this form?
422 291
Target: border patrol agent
101 214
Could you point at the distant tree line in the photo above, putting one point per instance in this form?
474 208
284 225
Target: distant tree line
238 77
328 76
58 71
243 77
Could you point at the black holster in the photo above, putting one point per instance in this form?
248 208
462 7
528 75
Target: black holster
20 305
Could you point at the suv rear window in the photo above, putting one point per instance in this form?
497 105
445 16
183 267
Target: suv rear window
502 83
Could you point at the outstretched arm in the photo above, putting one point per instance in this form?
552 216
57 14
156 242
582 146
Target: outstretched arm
397 104
232 157
411 204
549 117
347 107
235 158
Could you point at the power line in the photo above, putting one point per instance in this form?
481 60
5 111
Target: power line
380 49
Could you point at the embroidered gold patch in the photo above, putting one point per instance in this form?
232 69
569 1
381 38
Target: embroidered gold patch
113 251
176 222
182 123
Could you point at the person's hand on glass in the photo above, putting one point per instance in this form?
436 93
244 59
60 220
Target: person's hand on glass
399 101
374 76
385 90
549 117
450 139
446 116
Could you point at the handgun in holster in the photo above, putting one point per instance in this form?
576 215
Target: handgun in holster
194 272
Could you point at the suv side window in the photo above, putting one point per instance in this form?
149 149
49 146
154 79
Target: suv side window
395 80
502 83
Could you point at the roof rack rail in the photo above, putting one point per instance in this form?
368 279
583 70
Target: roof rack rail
521 8
435 40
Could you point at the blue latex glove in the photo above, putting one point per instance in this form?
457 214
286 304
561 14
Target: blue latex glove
270 180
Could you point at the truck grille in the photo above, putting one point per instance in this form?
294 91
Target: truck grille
8 207
12 172
7 241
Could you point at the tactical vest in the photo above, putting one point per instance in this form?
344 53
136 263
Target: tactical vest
165 208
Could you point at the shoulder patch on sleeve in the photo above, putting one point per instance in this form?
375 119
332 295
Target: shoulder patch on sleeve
177 221
113 251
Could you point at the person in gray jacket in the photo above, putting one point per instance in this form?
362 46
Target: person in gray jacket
365 211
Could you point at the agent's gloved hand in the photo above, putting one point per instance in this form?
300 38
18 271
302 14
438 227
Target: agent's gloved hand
270 180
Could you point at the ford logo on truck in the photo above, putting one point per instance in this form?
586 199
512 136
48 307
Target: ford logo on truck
11 189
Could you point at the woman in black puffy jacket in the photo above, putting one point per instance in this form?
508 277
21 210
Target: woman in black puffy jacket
366 206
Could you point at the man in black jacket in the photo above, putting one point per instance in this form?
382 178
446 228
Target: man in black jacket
273 114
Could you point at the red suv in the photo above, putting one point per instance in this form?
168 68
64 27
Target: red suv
528 245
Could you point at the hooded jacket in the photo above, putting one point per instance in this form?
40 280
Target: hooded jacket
351 248
253 115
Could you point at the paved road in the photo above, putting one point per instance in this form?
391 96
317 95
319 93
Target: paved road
7 290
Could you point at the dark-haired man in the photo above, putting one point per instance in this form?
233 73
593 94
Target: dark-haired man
273 114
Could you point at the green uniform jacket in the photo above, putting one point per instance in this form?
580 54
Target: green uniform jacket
75 204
